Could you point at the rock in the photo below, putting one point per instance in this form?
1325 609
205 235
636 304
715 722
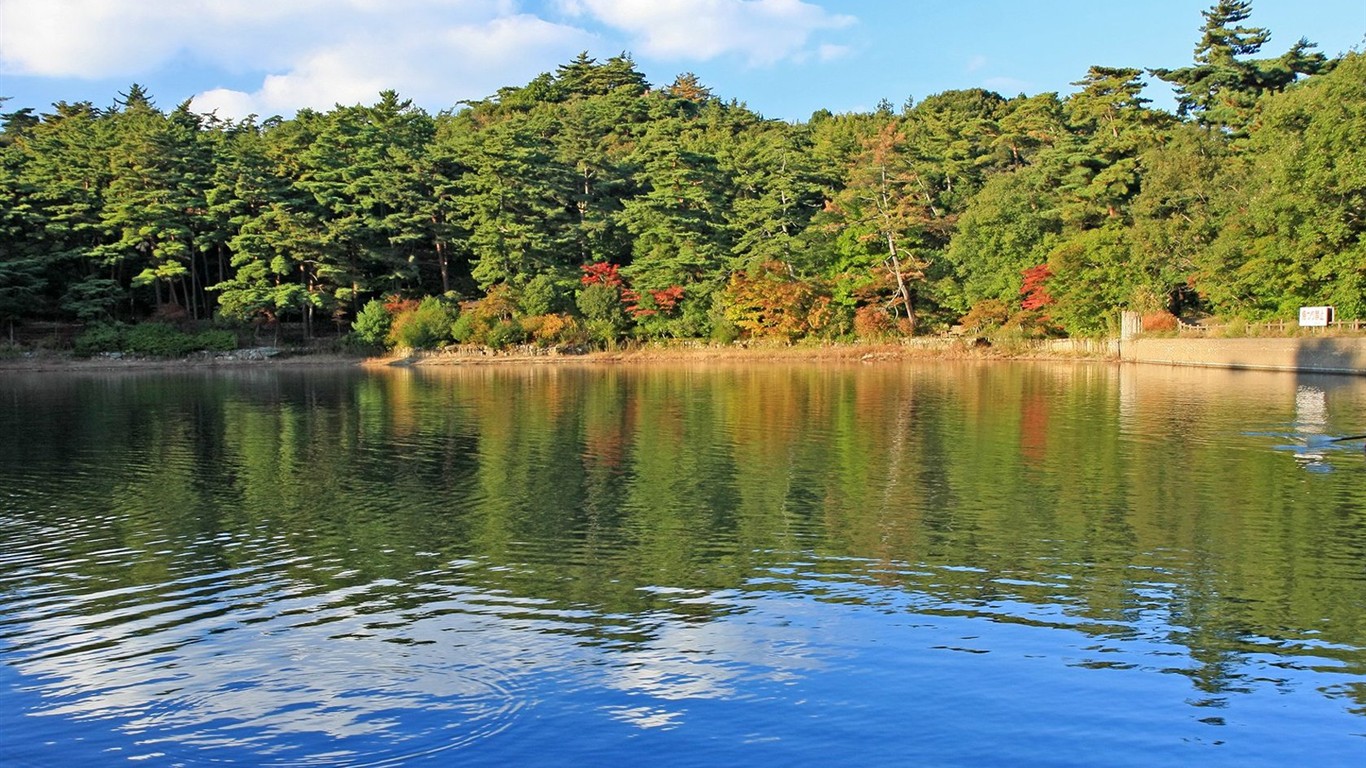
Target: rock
257 353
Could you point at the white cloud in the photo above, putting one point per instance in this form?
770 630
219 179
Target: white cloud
828 52
976 63
312 53
762 31
439 66
81 38
317 53
228 103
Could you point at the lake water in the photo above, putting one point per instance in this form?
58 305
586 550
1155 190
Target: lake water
787 565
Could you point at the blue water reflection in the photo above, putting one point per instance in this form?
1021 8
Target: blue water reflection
1001 565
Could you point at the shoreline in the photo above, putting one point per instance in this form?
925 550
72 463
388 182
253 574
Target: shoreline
59 362
48 361
1345 356
699 353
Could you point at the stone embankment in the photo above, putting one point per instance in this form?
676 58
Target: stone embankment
1305 355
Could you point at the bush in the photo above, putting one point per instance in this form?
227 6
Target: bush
871 322
985 316
1029 324
550 330
544 295
605 316
152 339
104 337
372 323
767 302
723 331
1159 322
158 340
506 333
425 327
467 329
216 340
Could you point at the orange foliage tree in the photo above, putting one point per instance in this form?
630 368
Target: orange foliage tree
767 302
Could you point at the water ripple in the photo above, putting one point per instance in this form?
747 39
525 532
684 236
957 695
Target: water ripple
381 690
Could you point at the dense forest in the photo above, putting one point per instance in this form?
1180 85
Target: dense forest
590 206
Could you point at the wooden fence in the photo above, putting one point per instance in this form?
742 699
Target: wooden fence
1274 328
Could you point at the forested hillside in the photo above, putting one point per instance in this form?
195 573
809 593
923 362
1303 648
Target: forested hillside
592 205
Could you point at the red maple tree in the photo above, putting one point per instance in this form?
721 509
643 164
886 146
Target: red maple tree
1034 289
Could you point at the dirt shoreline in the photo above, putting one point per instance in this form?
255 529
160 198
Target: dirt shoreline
866 353
58 362
40 361
1303 355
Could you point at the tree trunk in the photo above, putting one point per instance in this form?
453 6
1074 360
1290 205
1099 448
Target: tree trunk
901 281
892 253
441 264
192 292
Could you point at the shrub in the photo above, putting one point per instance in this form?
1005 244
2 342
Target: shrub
506 333
467 329
372 323
873 322
426 326
103 337
549 330
605 316
1029 324
1158 322
985 316
1235 328
544 295
152 339
157 340
768 302
480 321
724 333
216 340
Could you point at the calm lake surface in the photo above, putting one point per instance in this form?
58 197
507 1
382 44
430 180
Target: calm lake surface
889 564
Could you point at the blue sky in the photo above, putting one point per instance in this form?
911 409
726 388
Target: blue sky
784 58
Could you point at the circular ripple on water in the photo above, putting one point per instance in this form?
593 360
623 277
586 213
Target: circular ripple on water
244 666
361 717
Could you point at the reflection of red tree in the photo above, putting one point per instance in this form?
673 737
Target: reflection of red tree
1034 429
606 438
605 447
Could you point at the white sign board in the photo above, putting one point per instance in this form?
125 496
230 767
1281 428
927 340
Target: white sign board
1316 316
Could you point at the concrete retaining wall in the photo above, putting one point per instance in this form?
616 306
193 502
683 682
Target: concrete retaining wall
1325 355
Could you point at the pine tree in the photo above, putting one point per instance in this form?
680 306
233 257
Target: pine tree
1221 90
155 198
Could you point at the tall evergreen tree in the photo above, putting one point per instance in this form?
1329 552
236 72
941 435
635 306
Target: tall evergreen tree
66 168
517 201
1292 228
1221 89
155 198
